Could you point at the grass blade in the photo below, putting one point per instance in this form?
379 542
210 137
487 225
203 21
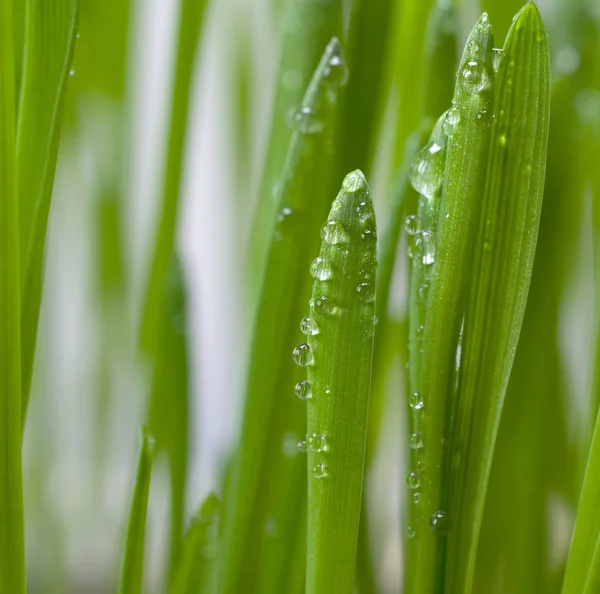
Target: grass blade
338 356
303 199
446 248
503 256
50 41
190 25
133 559
191 574
12 547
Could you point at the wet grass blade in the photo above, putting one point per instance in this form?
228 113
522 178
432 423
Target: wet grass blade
50 35
459 165
190 26
504 256
303 199
132 571
192 570
338 356
12 547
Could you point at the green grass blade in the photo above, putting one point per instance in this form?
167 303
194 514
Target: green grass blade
50 41
196 554
190 25
12 547
303 200
503 256
338 356
308 25
446 248
133 560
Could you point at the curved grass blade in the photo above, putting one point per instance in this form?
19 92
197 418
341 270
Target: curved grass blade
50 41
338 356
192 570
447 250
308 27
503 255
133 560
12 547
303 199
190 25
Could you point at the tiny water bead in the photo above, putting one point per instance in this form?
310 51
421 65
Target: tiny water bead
303 390
423 291
320 269
305 120
334 233
484 119
303 355
366 291
309 327
369 236
325 306
412 224
440 523
336 72
415 441
72 72
416 498
354 182
320 471
428 240
413 480
410 532
416 401
451 120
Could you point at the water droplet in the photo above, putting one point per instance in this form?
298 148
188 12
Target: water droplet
303 355
415 248
410 532
72 72
334 233
496 57
305 121
474 77
354 182
412 224
375 320
302 446
413 480
366 291
484 119
440 523
316 442
426 172
451 120
327 390
303 390
416 498
325 306
428 247
320 269
336 72
415 441
369 236
308 326
416 401
423 291
420 330
320 471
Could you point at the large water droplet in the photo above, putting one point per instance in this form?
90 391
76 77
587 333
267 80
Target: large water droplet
413 480
316 442
325 306
428 247
303 390
303 355
308 326
336 72
305 120
320 471
474 77
334 233
426 172
320 269
416 401
412 224
354 182
440 523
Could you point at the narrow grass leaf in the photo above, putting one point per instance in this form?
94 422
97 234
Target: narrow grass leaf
190 26
132 571
12 548
503 256
50 35
198 550
446 248
303 199
338 357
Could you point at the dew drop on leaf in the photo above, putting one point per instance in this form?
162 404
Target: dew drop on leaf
308 326
416 401
320 471
303 355
303 390
334 233
305 120
320 269
440 523
412 224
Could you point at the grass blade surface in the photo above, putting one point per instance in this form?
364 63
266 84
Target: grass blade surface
12 548
132 572
50 41
338 356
